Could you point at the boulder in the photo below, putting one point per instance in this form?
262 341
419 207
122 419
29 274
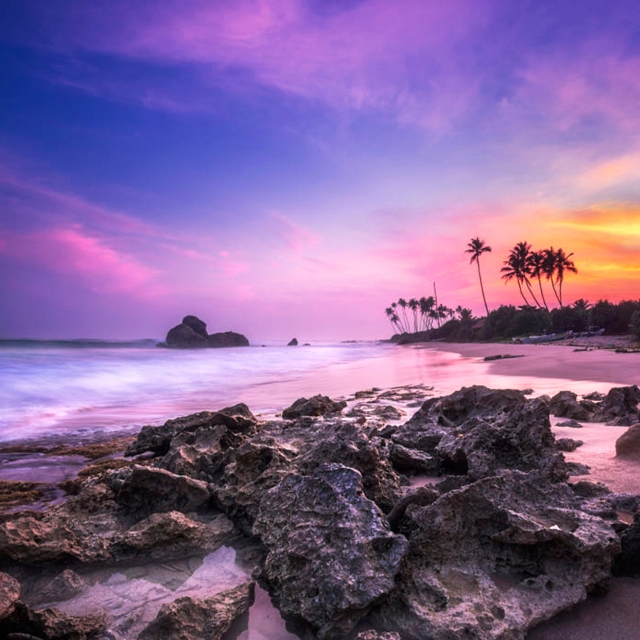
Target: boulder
183 336
568 444
190 618
620 407
293 342
628 444
331 551
565 404
492 559
227 339
316 406
64 586
194 323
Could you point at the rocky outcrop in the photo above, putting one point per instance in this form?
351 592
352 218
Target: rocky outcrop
628 444
293 342
565 404
191 333
331 552
200 619
618 408
493 558
315 406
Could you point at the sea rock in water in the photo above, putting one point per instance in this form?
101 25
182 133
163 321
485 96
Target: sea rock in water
492 559
190 618
315 406
197 325
10 590
331 552
183 336
628 444
293 342
227 339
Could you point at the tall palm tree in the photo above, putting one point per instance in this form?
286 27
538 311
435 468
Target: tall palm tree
413 305
535 263
476 248
403 304
549 268
426 304
393 319
563 264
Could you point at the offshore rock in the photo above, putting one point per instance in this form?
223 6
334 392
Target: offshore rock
227 339
191 333
478 431
331 552
494 558
195 324
157 439
628 444
315 406
293 342
183 336
190 618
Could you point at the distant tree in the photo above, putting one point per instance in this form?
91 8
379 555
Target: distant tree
414 306
515 267
535 264
563 264
403 304
476 248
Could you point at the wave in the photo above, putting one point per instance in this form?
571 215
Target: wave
78 343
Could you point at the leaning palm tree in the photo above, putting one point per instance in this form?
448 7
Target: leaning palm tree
516 266
563 264
403 304
476 248
535 263
413 305
549 268
393 319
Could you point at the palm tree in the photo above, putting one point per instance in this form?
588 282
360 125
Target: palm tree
516 266
563 264
402 303
393 319
413 305
426 305
476 248
535 263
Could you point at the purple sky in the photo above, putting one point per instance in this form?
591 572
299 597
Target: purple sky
290 167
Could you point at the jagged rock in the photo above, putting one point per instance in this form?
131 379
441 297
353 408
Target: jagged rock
628 444
316 406
573 424
190 618
10 590
183 336
405 459
620 407
249 472
171 535
293 342
577 469
157 439
227 339
477 431
419 497
565 404
492 559
195 324
347 444
141 491
378 635
331 552
568 444
52 624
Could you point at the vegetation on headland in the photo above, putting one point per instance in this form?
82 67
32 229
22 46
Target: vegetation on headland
422 319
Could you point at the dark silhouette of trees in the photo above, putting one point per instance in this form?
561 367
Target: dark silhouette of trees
476 248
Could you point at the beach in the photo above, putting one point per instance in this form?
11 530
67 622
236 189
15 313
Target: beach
404 376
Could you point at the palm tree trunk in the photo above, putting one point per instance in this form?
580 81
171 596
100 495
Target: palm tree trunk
526 281
482 288
546 306
526 302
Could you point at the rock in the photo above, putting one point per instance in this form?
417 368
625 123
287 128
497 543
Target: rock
568 444
578 469
573 424
164 536
316 406
405 460
293 342
227 339
190 618
64 586
184 337
52 624
141 491
10 590
195 324
628 444
378 635
620 407
565 405
157 439
331 552
492 559
478 431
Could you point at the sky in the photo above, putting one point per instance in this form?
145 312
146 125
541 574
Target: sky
291 167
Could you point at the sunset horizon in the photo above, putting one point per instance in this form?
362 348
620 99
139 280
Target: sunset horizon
289 168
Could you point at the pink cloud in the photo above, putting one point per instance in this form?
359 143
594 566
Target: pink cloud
87 259
295 236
